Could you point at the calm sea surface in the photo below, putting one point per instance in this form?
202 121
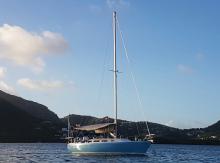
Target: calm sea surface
157 153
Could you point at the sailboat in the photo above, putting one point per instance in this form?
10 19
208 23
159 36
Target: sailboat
107 146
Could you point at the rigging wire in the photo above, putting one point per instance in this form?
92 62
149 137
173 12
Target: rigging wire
121 56
131 73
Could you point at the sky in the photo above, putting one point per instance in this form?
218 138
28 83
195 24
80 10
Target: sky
59 53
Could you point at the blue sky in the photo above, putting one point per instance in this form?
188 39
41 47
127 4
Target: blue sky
59 53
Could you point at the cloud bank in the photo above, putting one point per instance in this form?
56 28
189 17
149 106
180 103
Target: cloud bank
2 72
26 49
6 88
39 85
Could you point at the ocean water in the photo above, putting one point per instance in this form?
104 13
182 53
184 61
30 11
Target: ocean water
37 152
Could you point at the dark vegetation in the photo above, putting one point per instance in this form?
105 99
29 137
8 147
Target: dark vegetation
27 121
163 134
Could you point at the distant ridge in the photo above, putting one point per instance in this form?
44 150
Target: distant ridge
213 130
126 128
26 121
35 109
163 134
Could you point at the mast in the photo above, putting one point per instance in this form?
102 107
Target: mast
115 73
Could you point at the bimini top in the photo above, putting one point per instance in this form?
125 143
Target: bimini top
98 128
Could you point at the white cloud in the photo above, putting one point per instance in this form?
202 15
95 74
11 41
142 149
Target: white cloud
39 85
2 72
114 4
6 88
185 69
25 48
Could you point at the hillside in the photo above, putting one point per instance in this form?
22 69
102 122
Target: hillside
212 131
128 128
35 109
26 121
163 134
